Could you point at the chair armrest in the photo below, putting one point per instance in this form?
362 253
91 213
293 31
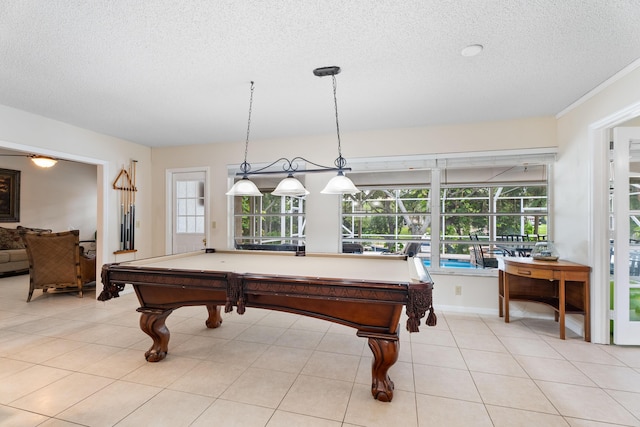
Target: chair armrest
87 269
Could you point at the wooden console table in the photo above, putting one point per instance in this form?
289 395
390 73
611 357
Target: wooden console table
562 285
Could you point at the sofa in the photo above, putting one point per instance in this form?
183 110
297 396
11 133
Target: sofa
13 255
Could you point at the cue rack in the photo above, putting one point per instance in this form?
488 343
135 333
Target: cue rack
125 184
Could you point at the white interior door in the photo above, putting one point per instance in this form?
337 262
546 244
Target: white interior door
625 255
189 213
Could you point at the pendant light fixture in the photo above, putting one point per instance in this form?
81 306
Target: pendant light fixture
339 184
290 186
245 187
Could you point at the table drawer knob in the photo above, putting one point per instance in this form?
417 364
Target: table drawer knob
525 272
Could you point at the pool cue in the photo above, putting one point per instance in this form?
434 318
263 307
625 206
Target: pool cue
122 213
129 192
121 219
133 205
124 217
129 212
126 210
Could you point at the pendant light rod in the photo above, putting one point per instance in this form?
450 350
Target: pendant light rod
245 187
291 167
340 162
245 167
339 184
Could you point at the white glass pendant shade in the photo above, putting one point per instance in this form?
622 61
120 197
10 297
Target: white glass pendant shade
244 187
43 162
340 184
290 187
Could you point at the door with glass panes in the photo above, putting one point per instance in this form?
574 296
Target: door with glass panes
188 211
625 235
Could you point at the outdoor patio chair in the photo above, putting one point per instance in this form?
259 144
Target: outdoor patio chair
481 256
412 249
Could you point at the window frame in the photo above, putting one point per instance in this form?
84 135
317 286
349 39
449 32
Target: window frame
396 241
394 169
516 158
292 216
493 240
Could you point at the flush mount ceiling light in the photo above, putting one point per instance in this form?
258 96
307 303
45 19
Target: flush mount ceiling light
290 186
43 161
472 50
40 161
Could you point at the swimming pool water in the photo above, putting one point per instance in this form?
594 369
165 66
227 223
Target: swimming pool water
450 263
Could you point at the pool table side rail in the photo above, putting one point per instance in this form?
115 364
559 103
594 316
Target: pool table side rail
161 288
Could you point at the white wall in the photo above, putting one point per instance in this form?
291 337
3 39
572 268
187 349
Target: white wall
513 134
572 172
60 198
478 294
24 131
581 184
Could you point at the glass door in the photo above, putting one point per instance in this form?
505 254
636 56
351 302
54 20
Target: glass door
625 247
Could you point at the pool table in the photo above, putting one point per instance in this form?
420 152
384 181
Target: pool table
365 292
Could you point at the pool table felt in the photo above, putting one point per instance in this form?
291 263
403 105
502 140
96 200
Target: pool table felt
376 268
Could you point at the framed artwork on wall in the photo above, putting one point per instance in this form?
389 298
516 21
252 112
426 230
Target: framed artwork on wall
9 195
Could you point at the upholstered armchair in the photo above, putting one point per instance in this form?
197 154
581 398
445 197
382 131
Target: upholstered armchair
54 261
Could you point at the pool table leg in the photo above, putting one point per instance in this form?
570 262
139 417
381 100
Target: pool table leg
152 323
385 350
215 319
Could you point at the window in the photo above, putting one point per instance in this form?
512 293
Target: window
385 219
507 219
190 207
277 221
428 205
502 201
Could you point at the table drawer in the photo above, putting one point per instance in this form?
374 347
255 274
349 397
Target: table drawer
534 273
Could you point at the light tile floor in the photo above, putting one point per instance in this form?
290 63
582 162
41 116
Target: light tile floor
66 361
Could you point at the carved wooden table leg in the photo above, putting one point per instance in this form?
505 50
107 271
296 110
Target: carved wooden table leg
385 350
214 319
152 323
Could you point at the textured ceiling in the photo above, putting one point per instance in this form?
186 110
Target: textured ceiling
168 72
